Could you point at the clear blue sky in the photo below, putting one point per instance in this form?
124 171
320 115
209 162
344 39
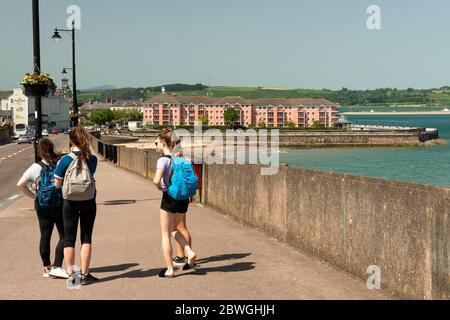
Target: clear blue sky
283 43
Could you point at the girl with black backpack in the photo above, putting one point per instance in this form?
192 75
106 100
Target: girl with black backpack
48 205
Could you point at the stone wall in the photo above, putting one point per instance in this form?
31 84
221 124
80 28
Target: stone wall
352 222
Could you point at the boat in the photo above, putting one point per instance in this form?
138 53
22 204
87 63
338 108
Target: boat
445 110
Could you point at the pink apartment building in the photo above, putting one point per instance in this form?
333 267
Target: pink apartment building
165 109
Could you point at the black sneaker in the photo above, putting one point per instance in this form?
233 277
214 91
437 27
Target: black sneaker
178 259
179 262
88 279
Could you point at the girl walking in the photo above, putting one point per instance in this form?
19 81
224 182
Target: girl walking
172 212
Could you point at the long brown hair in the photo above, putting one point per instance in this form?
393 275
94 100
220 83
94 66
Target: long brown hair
78 138
47 152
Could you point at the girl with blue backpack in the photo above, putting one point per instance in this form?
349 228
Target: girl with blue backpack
176 178
48 205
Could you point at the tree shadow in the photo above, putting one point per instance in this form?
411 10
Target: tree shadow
119 267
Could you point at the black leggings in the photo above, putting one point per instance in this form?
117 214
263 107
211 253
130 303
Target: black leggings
48 217
85 212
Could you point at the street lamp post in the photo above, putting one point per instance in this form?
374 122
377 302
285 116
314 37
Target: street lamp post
37 68
56 36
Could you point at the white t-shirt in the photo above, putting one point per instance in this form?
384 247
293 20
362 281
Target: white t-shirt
32 173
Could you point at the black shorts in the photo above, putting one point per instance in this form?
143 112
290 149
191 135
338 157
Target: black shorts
171 205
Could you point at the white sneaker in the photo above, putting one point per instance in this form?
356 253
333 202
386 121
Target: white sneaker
58 273
46 273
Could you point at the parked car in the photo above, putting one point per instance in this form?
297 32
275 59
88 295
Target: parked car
45 133
54 131
25 139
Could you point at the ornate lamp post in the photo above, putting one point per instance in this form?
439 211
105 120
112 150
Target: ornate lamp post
56 37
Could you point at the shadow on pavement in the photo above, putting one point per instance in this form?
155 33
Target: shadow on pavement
235 267
120 267
133 275
224 257
125 201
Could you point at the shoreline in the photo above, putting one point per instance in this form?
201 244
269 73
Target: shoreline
400 113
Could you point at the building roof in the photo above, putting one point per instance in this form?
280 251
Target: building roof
5 94
162 98
232 100
128 103
89 106
342 120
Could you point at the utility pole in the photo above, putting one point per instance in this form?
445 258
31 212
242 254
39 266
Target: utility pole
37 68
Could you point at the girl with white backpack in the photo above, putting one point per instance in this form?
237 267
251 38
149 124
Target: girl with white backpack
75 173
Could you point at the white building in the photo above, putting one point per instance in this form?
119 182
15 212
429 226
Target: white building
55 111
4 105
135 125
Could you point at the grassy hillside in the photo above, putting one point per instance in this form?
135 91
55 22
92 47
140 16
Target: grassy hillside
346 97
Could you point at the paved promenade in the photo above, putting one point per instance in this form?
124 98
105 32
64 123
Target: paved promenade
236 262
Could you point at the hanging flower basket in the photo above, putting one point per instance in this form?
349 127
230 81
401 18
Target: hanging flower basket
38 85
36 90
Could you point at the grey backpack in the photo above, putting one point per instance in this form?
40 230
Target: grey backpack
79 183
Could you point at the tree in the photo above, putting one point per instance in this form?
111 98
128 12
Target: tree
261 124
318 125
203 119
102 117
230 116
290 124
127 114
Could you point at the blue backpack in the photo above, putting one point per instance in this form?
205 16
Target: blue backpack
48 196
183 180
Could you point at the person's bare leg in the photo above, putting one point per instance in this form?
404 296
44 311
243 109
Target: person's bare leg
185 244
167 222
86 253
180 223
69 259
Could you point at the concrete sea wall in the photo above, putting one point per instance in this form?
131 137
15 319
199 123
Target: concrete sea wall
343 138
352 222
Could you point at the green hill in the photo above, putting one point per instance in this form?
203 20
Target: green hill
346 97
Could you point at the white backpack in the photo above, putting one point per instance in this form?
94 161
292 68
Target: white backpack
79 183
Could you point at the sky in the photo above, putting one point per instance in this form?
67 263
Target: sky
285 43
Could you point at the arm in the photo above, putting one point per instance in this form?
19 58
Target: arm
22 186
158 176
60 171
58 182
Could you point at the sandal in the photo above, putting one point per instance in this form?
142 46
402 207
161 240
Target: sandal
162 274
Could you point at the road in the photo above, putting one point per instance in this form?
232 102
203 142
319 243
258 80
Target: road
14 160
